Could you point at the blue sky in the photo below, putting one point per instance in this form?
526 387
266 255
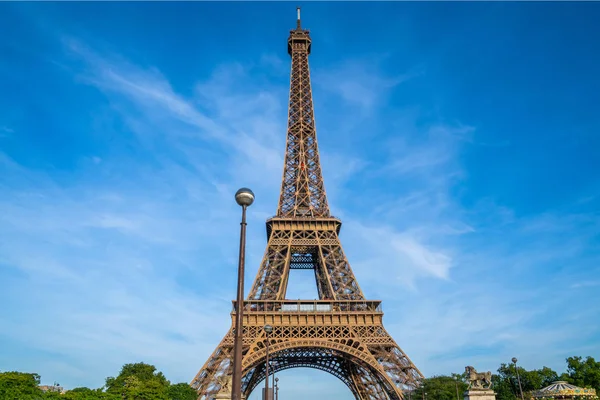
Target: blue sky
459 146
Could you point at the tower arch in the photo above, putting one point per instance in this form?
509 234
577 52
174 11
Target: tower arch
342 332
349 363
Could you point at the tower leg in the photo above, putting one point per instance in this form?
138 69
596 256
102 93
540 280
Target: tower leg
215 371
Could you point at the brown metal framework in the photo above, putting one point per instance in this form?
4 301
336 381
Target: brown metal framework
341 333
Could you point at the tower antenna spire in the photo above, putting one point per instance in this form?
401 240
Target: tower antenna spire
342 332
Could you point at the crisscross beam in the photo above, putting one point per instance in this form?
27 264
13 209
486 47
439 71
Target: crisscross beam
302 187
341 333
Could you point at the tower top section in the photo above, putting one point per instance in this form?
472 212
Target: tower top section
299 39
302 188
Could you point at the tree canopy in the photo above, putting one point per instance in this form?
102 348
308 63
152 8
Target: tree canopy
580 372
142 381
19 385
584 373
441 387
137 381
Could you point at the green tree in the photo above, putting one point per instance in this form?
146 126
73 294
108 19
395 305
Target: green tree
53 396
584 373
181 391
441 387
505 385
547 376
139 381
19 386
506 382
83 393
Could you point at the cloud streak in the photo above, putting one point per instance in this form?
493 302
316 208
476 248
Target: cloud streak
131 255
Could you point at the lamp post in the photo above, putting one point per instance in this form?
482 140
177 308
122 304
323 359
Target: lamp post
456 384
244 197
514 360
276 388
268 329
409 391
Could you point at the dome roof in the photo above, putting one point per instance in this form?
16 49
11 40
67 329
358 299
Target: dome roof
562 388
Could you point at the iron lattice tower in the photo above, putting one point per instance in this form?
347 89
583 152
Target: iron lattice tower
341 333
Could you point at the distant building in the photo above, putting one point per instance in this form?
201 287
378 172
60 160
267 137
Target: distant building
564 391
52 388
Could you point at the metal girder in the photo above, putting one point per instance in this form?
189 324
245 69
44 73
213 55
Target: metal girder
320 250
341 333
349 342
302 187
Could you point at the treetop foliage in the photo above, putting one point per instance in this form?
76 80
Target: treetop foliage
142 381
580 372
138 381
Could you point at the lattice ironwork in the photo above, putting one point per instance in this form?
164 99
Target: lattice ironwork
302 187
351 345
306 245
342 333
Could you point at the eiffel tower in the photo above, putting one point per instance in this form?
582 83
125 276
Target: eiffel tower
342 333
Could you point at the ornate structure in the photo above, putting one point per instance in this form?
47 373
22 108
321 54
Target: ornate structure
480 385
341 333
477 380
564 390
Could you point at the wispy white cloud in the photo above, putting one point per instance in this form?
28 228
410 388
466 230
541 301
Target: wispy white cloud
107 254
578 285
437 148
391 258
360 82
121 263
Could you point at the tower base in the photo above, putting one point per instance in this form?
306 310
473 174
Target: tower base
224 396
345 338
479 394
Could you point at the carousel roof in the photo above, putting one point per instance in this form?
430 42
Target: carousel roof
562 388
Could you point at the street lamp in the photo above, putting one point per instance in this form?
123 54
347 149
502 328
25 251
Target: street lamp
244 197
514 360
399 382
268 329
456 384
276 388
273 382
